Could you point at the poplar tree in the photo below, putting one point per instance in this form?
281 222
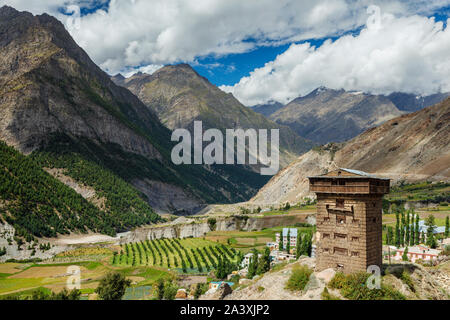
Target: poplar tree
288 244
298 250
397 230
407 228
417 235
447 227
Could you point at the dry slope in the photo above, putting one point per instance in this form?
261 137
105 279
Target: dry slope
413 147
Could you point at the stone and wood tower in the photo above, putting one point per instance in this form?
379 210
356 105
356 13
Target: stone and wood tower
349 213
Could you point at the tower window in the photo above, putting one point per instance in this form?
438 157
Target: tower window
355 253
340 203
340 236
326 235
341 251
355 239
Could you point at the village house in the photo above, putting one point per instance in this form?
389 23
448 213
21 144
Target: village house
436 231
247 259
272 245
418 252
277 256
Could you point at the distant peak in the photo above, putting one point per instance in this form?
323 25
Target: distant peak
119 76
180 66
6 11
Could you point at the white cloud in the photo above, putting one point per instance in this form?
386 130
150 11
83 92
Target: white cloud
142 32
409 54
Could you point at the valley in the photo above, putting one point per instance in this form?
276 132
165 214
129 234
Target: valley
88 182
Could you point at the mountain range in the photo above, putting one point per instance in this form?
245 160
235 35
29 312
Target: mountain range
81 150
180 96
327 115
410 148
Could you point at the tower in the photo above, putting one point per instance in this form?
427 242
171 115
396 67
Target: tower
349 213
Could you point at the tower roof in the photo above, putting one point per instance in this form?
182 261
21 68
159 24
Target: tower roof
348 173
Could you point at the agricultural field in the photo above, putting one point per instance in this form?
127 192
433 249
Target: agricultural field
424 191
245 241
183 255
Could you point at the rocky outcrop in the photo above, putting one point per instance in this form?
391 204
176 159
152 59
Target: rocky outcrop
23 252
219 294
196 229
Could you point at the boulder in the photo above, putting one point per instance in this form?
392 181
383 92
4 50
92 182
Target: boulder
326 275
221 292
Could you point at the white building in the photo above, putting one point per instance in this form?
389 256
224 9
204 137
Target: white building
292 237
247 258
280 256
418 252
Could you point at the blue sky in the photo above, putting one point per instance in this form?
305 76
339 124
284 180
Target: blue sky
230 69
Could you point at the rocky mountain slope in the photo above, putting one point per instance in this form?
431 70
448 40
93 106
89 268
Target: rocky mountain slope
327 115
425 283
412 147
180 96
58 107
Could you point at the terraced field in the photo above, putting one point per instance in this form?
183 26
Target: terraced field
185 255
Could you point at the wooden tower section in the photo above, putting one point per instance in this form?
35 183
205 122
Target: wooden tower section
349 213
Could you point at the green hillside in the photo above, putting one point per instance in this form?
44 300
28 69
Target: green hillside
37 204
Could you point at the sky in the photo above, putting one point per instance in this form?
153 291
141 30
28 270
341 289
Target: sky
268 50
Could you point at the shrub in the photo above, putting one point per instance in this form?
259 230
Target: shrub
353 287
299 278
406 278
112 286
212 223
